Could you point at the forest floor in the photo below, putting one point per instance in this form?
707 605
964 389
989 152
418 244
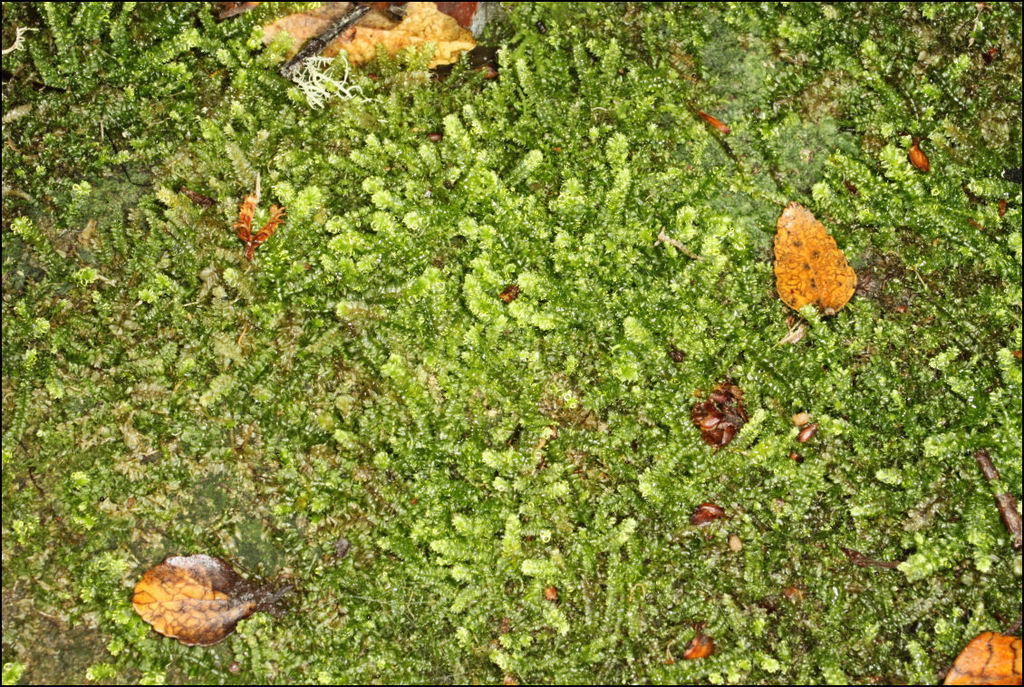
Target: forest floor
449 399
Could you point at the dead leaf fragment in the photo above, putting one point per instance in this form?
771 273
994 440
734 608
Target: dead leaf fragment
423 23
196 599
989 659
809 267
721 416
700 646
509 293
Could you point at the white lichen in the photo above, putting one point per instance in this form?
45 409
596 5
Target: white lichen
19 39
318 86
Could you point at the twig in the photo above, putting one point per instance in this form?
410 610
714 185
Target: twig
316 45
795 334
1006 503
857 558
665 238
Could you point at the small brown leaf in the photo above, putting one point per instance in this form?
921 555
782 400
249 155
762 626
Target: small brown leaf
509 293
989 659
700 646
197 599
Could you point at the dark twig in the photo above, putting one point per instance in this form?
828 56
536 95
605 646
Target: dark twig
316 45
857 558
1012 629
1006 503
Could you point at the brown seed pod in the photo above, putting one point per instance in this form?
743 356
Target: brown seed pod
1002 206
551 593
917 156
807 432
705 513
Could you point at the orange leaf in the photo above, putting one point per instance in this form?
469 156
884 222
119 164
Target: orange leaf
700 646
196 599
989 659
809 267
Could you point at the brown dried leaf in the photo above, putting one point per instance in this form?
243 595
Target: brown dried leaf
721 416
989 659
809 267
423 23
509 293
196 599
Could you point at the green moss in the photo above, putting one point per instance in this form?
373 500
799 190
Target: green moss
362 378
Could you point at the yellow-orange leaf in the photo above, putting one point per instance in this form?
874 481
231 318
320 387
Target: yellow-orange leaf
989 659
809 267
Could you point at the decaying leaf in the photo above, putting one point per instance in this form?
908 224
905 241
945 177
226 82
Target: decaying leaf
423 23
809 267
701 646
243 227
721 416
509 293
989 659
198 599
